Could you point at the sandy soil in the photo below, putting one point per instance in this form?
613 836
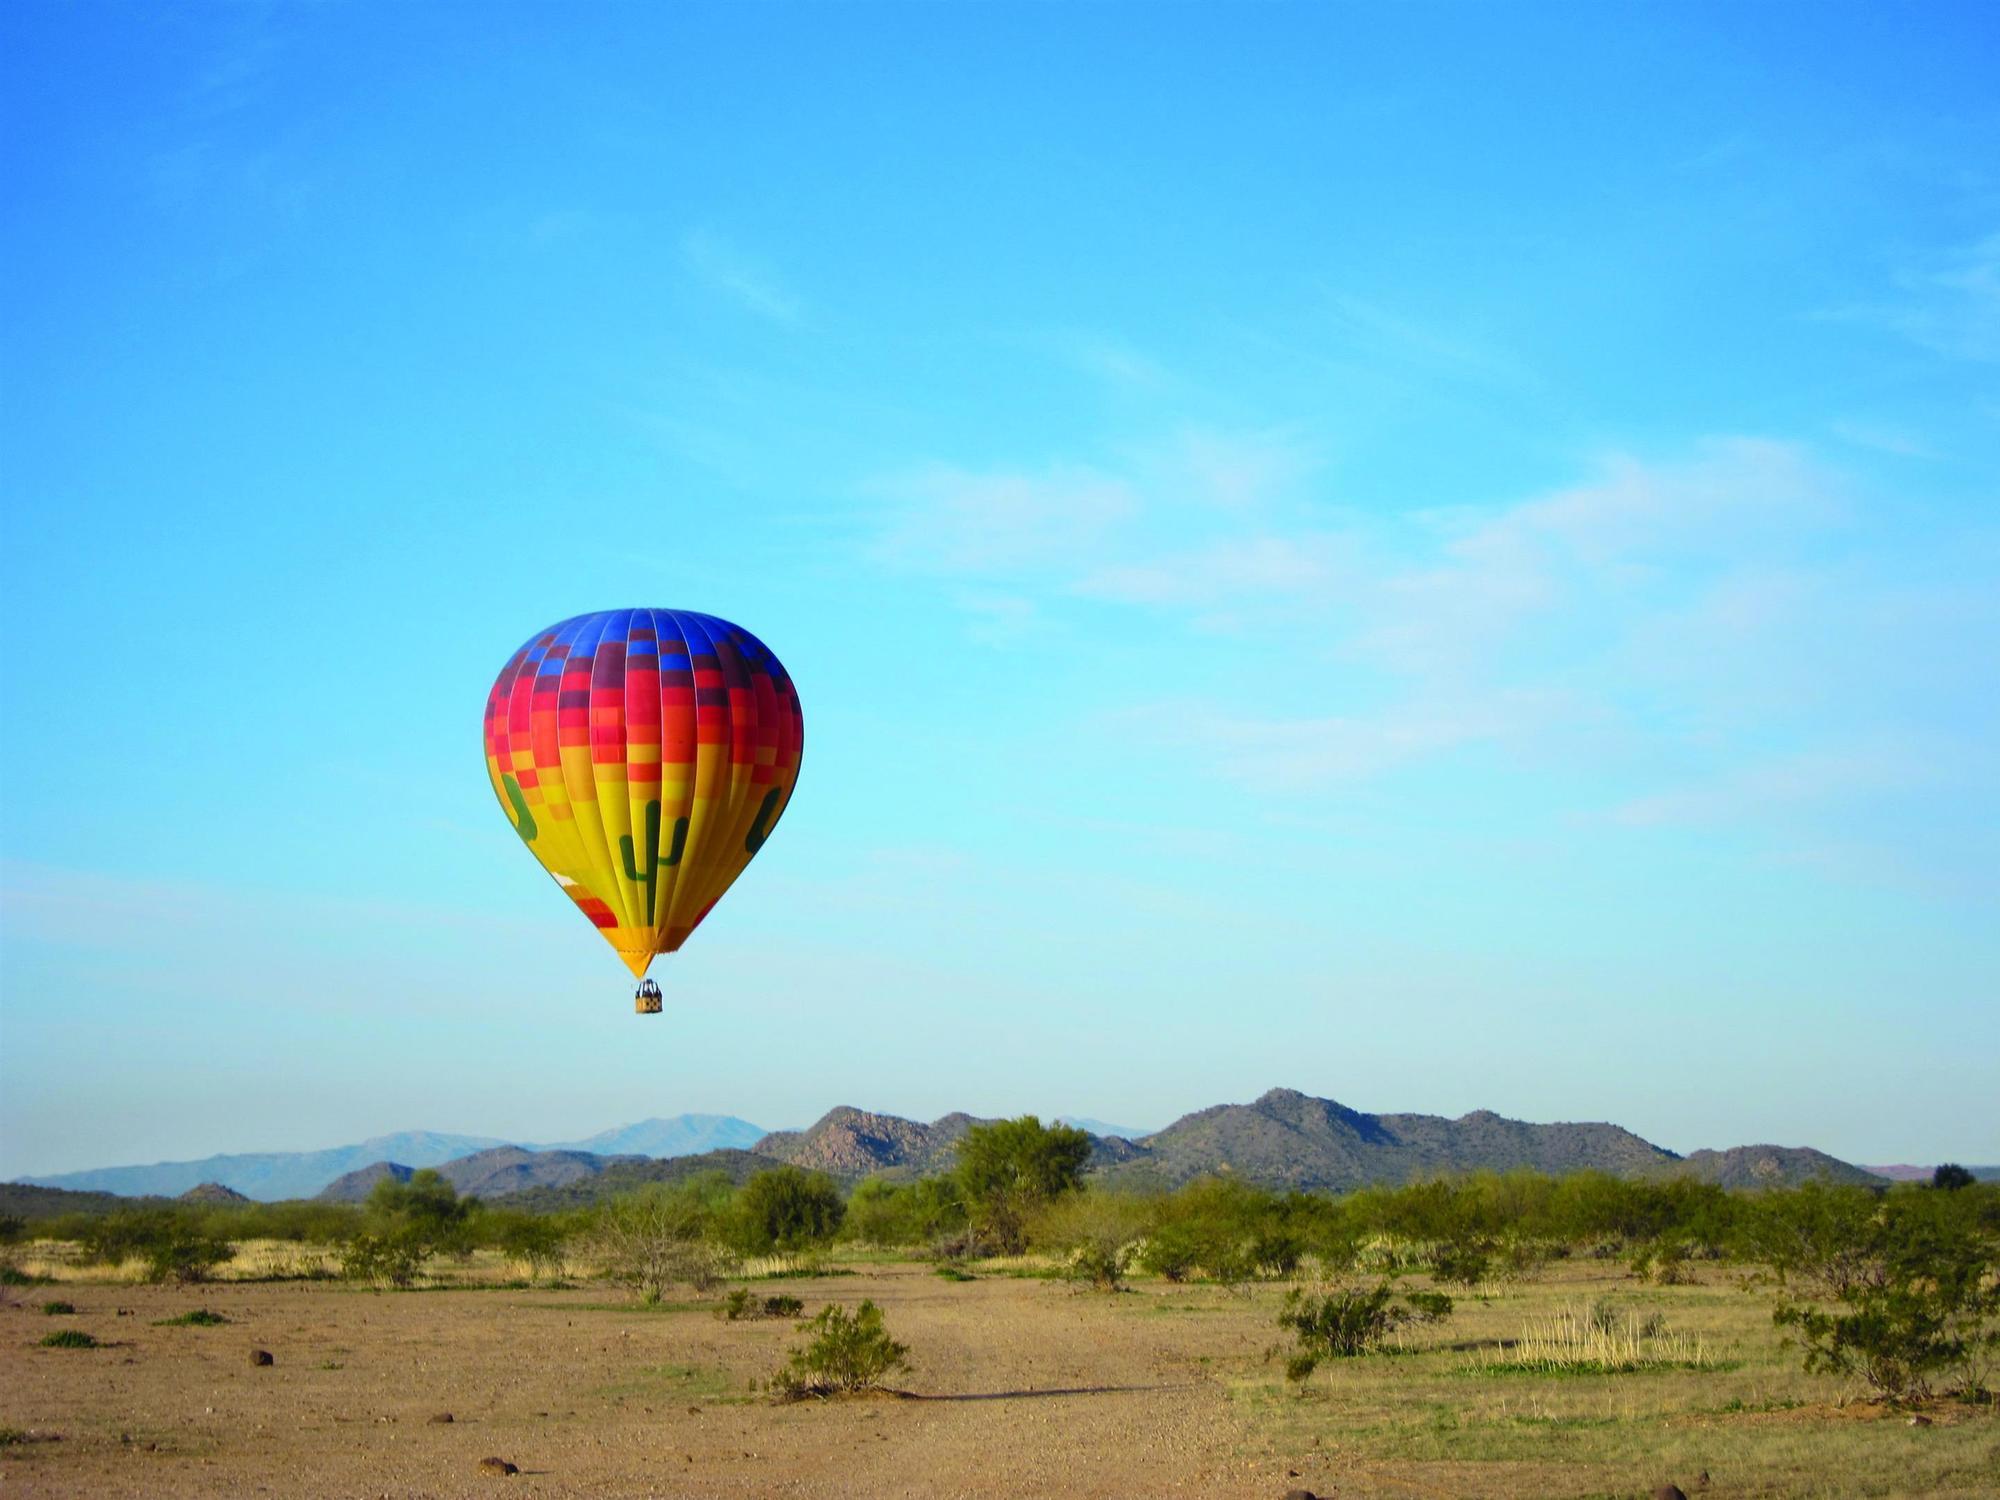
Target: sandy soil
1021 1388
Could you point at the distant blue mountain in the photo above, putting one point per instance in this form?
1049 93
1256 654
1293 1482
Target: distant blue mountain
683 1135
271 1175
1098 1127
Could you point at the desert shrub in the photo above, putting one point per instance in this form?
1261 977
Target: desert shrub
1951 1176
382 1258
742 1303
1010 1169
1899 1294
201 1317
59 1309
1094 1232
1339 1324
1461 1262
1275 1251
843 1352
187 1257
540 1240
68 1338
1171 1250
1428 1307
1664 1262
661 1237
785 1208
886 1213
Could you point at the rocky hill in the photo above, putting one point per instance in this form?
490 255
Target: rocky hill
1287 1139
485 1174
625 1174
1772 1166
853 1143
212 1192
848 1142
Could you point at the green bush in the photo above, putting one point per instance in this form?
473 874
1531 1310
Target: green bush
58 1309
1338 1325
886 1213
187 1257
1171 1251
1350 1321
378 1257
787 1209
68 1338
843 1352
1900 1294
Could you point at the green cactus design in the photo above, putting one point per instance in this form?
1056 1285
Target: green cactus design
524 821
650 876
761 829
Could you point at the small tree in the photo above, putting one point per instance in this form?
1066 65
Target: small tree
785 1208
1951 1176
661 1237
844 1352
404 1225
1010 1168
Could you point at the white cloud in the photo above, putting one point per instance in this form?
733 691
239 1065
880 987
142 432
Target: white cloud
952 521
730 271
1223 571
1784 783
1274 754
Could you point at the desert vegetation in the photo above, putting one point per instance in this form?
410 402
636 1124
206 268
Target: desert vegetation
1447 1317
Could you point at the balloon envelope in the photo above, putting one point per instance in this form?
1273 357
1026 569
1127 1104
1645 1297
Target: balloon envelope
643 756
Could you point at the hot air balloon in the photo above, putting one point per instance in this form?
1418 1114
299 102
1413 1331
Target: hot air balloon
644 756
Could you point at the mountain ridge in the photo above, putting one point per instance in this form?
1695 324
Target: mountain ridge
1283 1139
272 1176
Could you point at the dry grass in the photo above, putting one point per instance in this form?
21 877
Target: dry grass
1574 1341
1524 1393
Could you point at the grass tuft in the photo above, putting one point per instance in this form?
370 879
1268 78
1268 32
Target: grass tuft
68 1338
201 1317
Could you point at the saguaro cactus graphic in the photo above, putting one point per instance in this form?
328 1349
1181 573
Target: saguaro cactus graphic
650 876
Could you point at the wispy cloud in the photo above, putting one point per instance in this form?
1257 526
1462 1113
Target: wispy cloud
1284 755
1949 304
1789 782
739 276
954 521
1386 335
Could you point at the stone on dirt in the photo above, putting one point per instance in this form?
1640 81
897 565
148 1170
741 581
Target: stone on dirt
498 1466
439 1416
261 1357
1669 1492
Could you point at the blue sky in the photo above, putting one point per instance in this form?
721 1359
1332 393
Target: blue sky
1440 555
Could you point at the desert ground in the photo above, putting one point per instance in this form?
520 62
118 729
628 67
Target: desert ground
1019 1385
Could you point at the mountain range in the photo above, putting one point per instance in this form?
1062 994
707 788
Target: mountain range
1284 1139
273 1175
